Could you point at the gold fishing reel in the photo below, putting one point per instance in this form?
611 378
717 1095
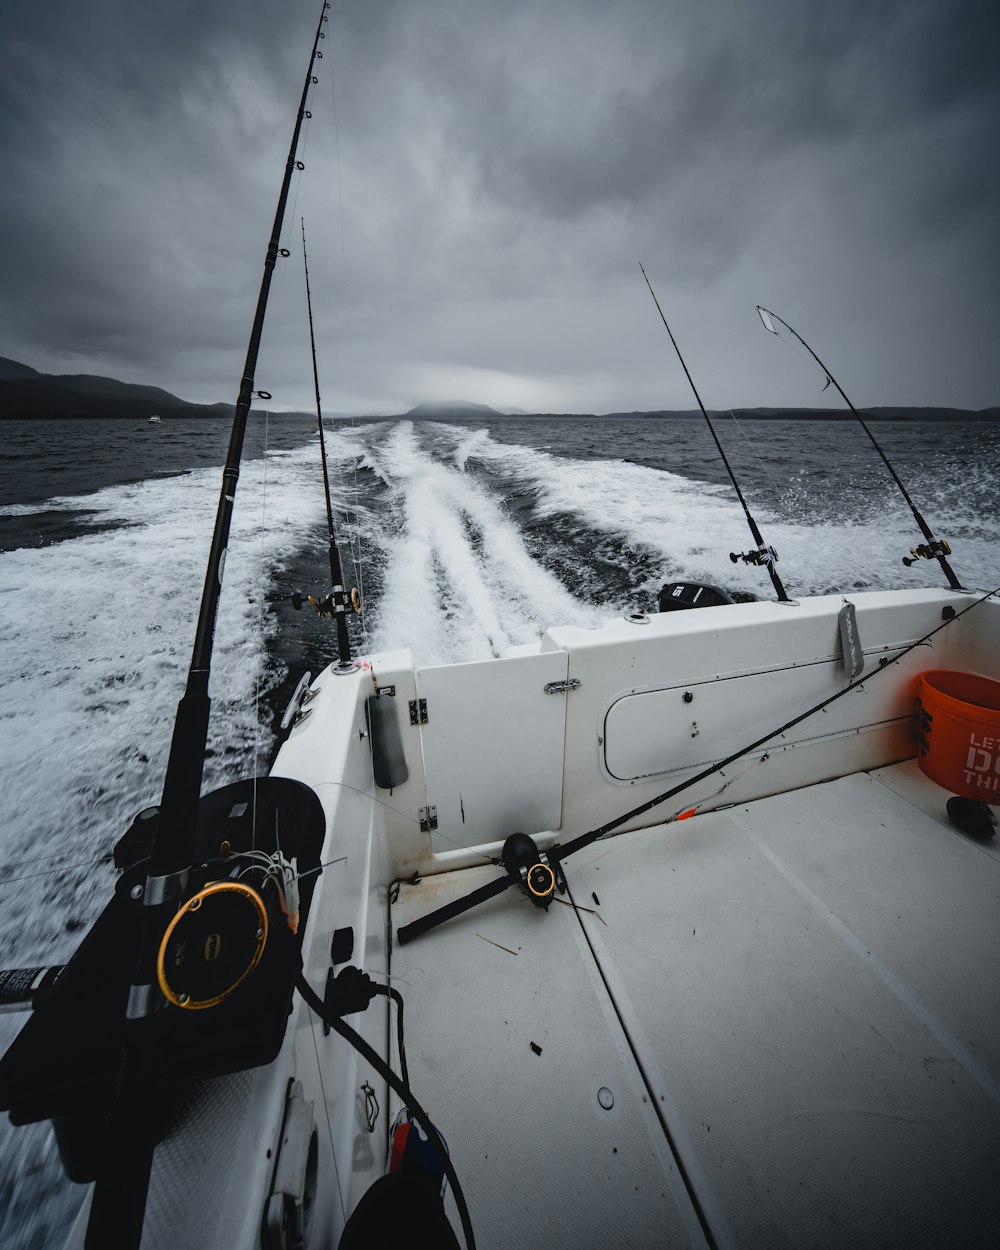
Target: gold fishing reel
530 867
928 551
541 883
212 945
328 607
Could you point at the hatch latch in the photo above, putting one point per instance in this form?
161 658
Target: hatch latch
561 687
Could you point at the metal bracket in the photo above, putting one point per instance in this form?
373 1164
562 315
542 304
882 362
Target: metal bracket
288 1214
418 711
428 818
166 888
561 687
299 697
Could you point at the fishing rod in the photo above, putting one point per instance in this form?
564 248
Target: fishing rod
934 548
335 604
119 1198
762 554
541 873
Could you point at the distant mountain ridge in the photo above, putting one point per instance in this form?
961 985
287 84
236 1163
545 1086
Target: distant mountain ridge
451 408
26 394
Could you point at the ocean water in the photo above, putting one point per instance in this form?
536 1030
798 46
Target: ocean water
464 538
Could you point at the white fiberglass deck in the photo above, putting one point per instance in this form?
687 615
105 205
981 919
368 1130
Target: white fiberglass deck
795 1006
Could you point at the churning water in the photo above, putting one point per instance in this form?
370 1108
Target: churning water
465 539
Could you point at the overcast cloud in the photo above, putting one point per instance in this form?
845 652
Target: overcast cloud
503 168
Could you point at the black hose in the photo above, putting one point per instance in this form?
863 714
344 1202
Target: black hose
401 1088
397 998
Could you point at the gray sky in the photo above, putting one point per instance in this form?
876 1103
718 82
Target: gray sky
503 166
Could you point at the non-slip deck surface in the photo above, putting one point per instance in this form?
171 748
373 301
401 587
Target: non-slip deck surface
795 1005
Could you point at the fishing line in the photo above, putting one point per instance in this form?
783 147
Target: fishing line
755 452
335 604
329 1124
934 548
51 872
353 530
262 654
763 555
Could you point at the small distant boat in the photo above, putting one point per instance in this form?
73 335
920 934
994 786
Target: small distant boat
154 420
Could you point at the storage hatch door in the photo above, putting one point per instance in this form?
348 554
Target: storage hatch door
493 743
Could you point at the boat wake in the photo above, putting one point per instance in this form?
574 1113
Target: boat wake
469 544
470 541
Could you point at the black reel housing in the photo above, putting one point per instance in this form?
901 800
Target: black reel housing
65 1062
526 864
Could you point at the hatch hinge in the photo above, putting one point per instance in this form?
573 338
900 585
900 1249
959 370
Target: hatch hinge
428 818
418 711
561 687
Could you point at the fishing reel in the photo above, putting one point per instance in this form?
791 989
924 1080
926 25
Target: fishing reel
219 936
928 551
225 967
531 867
328 606
764 556
526 866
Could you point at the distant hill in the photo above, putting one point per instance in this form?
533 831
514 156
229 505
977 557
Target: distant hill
451 408
13 369
26 394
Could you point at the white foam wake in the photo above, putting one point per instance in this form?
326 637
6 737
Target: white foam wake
460 583
95 637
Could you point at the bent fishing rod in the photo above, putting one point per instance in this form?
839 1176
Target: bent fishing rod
335 604
934 548
762 554
541 873
119 1198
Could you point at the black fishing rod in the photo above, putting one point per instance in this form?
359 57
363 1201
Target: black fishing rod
763 554
119 1198
541 876
336 603
934 548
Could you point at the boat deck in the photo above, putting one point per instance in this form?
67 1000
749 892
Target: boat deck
792 1007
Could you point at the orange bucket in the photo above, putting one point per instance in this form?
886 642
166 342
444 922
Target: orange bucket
959 733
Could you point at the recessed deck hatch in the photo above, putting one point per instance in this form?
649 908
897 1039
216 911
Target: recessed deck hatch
648 733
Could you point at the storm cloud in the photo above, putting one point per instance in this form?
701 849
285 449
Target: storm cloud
481 180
